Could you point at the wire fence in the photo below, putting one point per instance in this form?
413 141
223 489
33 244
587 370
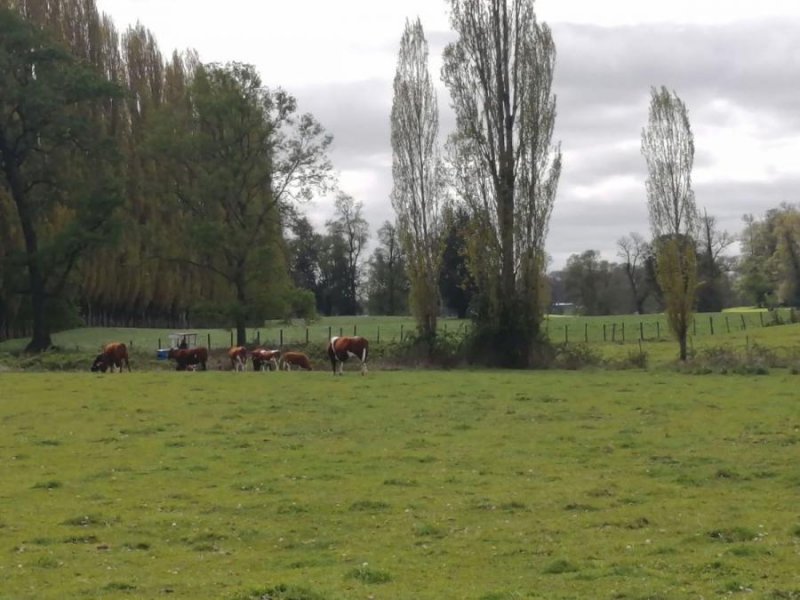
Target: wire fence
590 330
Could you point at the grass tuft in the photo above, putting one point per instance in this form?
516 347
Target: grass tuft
47 485
560 566
369 506
365 574
732 535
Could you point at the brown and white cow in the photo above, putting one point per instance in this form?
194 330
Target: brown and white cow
113 355
296 359
189 357
342 348
238 356
263 358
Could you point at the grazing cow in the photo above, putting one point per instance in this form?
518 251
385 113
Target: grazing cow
297 359
341 348
113 355
238 356
186 357
263 358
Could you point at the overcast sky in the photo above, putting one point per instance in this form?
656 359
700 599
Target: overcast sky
735 64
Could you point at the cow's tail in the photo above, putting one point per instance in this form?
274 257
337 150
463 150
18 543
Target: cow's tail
332 354
364 354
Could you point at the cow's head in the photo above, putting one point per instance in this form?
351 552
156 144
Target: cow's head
99 364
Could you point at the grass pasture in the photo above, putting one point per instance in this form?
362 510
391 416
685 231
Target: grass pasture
399 485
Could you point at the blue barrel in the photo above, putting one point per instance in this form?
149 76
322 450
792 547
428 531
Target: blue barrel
162 354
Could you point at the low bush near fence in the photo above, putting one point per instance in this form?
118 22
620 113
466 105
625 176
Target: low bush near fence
754 359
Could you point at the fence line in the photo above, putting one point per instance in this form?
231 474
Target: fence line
621 331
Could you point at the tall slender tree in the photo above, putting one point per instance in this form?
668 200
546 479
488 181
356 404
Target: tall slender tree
417 174
499 73
668 149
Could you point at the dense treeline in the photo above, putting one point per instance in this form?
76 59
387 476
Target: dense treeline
765 273
187 224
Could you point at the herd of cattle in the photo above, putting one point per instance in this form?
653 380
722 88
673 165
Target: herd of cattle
115 355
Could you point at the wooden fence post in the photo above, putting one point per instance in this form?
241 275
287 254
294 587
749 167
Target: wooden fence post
258 337
355 329
566 333
613 332
401 332
711 324
623 331
604 333
727 324
330 334
641 334
281 345
744 323
658 330
586 332
694 326
761 318
209 341
379 334
159 343
231 338
306 336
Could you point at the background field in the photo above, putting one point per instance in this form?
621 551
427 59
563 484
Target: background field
622 329
424 485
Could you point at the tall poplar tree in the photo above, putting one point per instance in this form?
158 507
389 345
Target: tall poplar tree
417 174
668 149
499 73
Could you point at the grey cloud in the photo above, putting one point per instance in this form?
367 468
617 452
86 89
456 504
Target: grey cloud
752 64
355 113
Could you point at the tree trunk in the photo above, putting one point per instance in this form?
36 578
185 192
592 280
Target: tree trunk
41 334
682 342
241 331
241 319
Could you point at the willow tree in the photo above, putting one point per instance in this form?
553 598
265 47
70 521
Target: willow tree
417 174
499 73
668 149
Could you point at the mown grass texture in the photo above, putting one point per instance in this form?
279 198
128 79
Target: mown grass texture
424 485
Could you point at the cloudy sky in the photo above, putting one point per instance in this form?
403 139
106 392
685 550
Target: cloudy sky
736 65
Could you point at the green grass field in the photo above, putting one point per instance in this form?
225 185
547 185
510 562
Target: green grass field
399 485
